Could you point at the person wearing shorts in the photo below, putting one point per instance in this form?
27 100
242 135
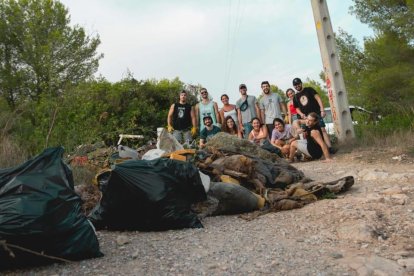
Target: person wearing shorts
313 146
306 101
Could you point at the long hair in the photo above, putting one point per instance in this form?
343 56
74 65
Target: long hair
226 129
287 91
256 118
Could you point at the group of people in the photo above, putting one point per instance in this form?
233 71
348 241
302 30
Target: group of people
291 130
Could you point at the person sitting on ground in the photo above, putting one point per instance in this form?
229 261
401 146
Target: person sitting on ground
229 126
282 136
228 110
260 137
313 145
181 120
259 132
208 131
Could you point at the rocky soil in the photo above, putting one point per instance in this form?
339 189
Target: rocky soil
367 231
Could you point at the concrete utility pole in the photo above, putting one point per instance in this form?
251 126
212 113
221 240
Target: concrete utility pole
334 79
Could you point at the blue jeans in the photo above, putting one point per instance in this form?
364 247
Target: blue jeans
247 129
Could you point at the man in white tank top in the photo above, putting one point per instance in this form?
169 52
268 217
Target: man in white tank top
205 108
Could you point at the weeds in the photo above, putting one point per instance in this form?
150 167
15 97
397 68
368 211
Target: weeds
393 131
82 175
11 154
328 195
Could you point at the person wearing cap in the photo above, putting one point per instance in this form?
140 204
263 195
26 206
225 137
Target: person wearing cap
247 109
271 107
208 131
306 101
205 108
181 120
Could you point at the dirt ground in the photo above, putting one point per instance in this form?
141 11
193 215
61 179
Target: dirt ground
369 230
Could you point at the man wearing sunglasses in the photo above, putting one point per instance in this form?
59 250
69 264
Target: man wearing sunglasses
206 108
247 109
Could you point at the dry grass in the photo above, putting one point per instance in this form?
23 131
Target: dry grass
11 154
83 175
402 139
398 141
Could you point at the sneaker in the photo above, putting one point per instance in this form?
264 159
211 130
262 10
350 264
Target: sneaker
332 150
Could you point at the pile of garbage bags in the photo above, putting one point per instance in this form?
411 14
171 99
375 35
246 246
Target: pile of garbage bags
149 195
40 212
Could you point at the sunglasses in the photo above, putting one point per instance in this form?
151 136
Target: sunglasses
203 92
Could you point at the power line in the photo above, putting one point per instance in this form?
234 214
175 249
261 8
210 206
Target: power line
233 29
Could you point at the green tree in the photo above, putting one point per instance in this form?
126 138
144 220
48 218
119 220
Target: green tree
379 76
275 89
353 64
395 16
40 52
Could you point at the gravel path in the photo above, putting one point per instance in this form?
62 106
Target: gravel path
367 231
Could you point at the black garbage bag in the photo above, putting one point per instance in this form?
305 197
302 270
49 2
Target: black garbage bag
149 195
40 211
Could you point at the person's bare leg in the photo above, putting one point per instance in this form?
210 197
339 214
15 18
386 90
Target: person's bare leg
326 137
286 150
293 148
279 143
296 127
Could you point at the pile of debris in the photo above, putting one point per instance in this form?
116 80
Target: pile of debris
237 169
147 189
282 186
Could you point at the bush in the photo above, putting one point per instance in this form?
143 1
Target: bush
394 130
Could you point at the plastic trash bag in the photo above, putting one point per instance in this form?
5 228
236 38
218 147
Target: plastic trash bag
149 195
228 199
153 154
126 152
40 211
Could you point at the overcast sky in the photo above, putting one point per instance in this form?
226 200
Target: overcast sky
217 43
